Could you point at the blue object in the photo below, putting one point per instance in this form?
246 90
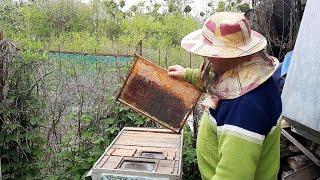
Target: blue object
286 63
278 78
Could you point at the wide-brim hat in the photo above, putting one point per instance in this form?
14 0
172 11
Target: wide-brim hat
224 35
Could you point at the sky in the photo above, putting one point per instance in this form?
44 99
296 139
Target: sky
196 5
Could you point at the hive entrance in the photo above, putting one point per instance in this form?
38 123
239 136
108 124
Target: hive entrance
137 165
150 154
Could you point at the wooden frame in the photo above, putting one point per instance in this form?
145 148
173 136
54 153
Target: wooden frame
189 100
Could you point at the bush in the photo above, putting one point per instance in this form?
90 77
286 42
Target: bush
21 140
190 166
75 162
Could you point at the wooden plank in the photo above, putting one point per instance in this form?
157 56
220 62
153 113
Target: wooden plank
0 170
155 130
301 147
149 139
309 172
160 135
165 170
150 144
123 152
147 135
301 95
147 148
112 162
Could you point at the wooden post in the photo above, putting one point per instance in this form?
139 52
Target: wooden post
1 35
166 58
0 170
1 85
2 73
159 57
181 54
190 60
60 63
140 48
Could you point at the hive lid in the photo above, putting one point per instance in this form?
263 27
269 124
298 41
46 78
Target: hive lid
151 92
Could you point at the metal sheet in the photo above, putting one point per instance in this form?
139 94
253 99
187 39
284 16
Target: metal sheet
151 92
301 95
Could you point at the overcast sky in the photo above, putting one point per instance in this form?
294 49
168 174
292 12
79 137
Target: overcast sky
196 5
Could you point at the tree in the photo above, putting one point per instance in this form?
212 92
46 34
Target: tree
221 6
244 7
113 21
232 5
63 13
141 7
133 8
156 7
187 9
173 6
111 7
122 3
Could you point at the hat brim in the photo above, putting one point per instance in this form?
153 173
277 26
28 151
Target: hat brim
196 43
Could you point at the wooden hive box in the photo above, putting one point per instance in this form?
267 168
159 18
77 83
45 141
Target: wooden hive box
141 153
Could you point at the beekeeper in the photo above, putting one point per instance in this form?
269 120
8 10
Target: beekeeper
239 133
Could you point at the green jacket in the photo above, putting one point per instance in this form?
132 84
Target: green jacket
240 140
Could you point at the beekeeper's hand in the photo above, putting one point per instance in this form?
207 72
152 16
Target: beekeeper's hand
176 71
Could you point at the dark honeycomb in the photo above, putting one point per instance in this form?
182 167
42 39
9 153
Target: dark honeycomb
153 99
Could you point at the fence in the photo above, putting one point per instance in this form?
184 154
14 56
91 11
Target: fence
162 56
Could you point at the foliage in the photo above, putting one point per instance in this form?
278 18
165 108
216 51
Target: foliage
190 166
157 33
96 27
59 116
21 140
232 5
94 139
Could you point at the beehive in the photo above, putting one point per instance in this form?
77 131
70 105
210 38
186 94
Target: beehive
141 153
